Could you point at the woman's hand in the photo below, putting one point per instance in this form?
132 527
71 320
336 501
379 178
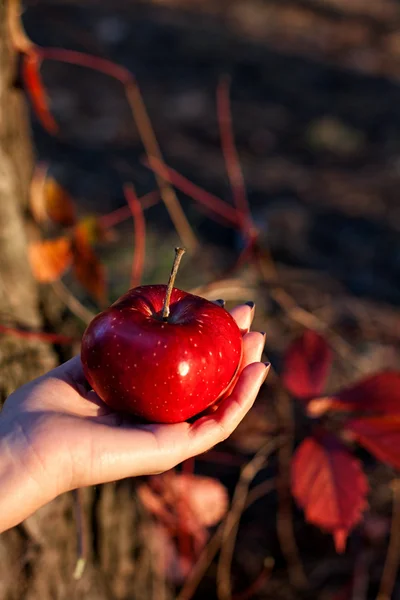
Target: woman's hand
57 435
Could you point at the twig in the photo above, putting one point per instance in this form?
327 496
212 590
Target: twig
231 523
81 534
229 289
74 305
122 214
229 151
210 551
257 584
285 531
209 201
310 321
140 234
185 547
393 554
52 338
152 148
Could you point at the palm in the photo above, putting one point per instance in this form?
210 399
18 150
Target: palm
78 441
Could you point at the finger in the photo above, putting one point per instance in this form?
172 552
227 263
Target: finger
211 430
70 371
253 346
244 315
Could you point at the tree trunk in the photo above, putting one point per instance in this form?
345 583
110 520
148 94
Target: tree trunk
37 559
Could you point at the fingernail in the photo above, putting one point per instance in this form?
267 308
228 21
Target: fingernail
220 302
267 368
251 304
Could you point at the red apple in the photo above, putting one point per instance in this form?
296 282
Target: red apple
163 370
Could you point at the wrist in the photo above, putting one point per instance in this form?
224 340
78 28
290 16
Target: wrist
21 490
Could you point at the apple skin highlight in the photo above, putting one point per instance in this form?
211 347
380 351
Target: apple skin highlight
164 371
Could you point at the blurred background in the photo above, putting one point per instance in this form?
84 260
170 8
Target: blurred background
315 96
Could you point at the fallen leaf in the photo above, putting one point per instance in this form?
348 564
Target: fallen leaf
306 365
206 497
379 435
50 259
87 268
329 484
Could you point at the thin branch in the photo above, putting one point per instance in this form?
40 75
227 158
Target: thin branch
393 554
232 162
224 585
211 549
51 338
229 289
81 534
285 530
74 305
209 201
257 584
152 148
124 213
140 234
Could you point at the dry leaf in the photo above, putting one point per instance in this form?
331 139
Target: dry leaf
50 258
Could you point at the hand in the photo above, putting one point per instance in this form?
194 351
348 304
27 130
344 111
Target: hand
59 435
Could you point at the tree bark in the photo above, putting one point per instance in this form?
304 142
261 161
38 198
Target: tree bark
38 558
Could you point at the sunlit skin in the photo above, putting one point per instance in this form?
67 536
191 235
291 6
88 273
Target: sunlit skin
163 371
56 434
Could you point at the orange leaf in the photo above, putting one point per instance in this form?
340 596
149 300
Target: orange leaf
328 483
306 365
87 268
380 436
59 205
50 259
48 200
34 86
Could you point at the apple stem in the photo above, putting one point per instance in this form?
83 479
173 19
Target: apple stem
179 252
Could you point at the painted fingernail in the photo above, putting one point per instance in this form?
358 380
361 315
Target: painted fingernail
251 304
267 368
220 302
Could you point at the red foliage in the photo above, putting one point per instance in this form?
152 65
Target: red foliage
184 506
329 485
306 365
379 394
378 435
37 93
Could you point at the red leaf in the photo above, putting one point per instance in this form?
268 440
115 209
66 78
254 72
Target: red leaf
50 258
378 435
329 485
379 394
34 85
88 269
306 365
